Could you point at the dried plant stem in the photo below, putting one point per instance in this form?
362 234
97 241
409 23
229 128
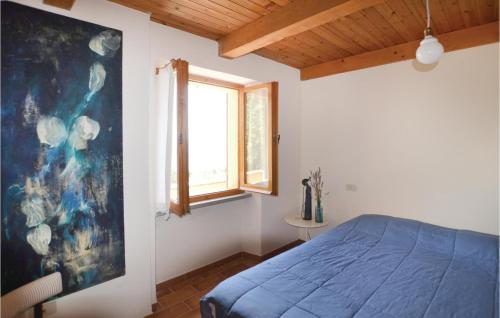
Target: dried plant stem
317 183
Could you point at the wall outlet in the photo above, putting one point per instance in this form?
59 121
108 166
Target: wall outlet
351 187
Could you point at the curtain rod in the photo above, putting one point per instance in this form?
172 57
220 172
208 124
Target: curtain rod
172 61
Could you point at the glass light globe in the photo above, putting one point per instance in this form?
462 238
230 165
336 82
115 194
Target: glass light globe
430 50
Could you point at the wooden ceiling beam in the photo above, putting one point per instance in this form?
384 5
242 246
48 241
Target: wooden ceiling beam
63 4
292 19
461 39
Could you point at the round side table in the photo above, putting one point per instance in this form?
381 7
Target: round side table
297 221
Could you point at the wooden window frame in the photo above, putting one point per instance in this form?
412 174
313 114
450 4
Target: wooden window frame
220 83
215 195
182 74
215 82
273 139
183 78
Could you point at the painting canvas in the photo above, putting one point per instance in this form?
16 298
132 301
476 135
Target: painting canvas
61 134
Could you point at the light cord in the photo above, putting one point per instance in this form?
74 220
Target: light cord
428 13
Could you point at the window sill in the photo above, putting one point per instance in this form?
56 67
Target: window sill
202 204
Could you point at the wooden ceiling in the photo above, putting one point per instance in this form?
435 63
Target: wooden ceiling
323 37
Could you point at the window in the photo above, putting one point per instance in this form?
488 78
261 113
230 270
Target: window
226 139
213 138
259 138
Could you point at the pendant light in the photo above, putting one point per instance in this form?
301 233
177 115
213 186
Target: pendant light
430 50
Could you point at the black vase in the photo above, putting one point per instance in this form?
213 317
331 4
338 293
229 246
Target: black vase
308 204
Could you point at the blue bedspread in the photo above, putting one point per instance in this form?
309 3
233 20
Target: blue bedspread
372 266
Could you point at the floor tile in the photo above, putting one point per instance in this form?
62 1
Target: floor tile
182 299
177 296
192 314
173 311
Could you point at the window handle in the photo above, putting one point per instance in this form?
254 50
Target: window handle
179 139
277 139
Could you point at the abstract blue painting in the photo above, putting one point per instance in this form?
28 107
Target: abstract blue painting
62 175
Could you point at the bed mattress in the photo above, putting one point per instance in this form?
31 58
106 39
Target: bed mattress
371 266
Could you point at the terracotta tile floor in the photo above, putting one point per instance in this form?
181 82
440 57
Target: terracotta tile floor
182 299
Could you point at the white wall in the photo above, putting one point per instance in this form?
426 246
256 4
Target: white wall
256 224
420 145
129 295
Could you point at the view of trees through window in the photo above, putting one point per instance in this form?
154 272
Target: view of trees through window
256 136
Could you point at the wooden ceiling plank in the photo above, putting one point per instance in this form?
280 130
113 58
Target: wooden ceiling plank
354 45
281 3
361 25
487 10
288 49
278 59
439 17
253 7
188 27
349 30
374 29
394 20
456 40
228 12
468 13
332 46
453 13
337 40
377 19
237 8
294 18
263 3
259 9
290 57
166 10
417 10
406 17
210 12
195 15
274 7
269 5
322 44
417 7
391 16
285 59
294 48
189 20
302 45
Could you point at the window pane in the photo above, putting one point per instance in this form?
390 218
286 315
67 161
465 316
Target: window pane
257 137
208 138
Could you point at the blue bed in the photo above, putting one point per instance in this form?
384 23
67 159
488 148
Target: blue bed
372 266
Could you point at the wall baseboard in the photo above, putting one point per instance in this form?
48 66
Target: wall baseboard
280 250
155 307
172 281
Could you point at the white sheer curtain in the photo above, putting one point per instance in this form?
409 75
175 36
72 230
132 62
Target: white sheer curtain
162 138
